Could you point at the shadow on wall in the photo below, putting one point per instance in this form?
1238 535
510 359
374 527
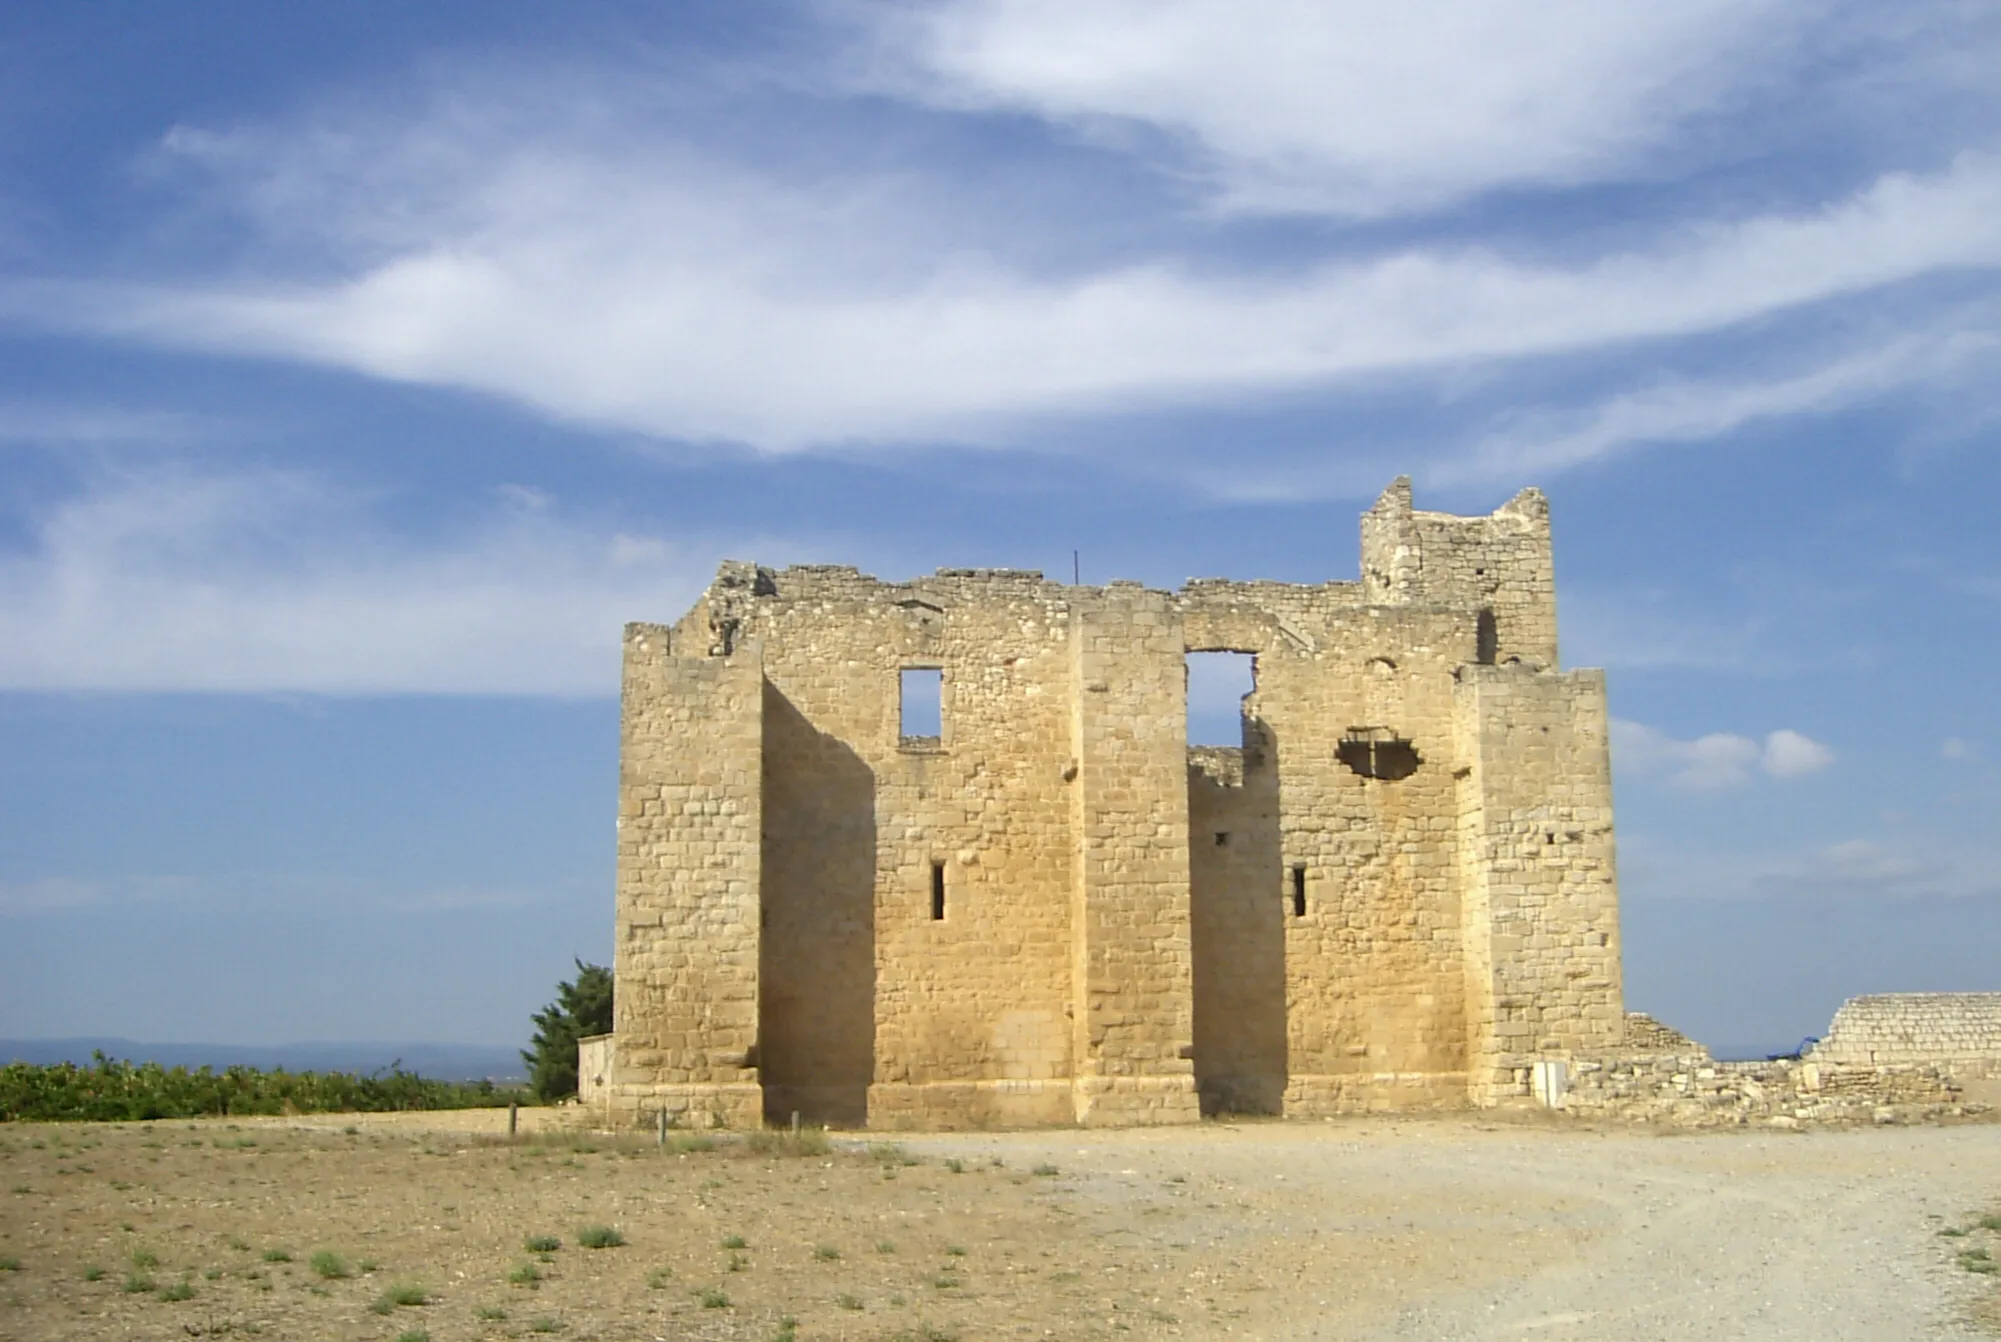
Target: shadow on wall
1237 909
816 956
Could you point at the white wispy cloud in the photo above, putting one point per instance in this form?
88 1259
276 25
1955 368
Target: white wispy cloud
1717 761
698 307
1949 348
174 580
1348 107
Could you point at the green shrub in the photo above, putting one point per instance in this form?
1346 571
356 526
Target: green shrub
326 1263
277 1255
110 1090
180 1290
93 1273
826 1253
600 1237
1045 1171
541 1244
9 1263
713 1298
526 1274
413 1335
401 1295
138 1283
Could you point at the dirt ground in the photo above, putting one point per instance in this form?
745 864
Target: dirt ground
1439 1228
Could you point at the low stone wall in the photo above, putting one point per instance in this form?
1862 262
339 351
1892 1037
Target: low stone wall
1695 1090
1957 1032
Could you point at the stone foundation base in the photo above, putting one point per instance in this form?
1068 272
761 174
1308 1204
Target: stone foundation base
908 1107
713 1105
1373 1093
1136 1101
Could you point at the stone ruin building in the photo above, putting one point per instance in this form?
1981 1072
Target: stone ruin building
1048 908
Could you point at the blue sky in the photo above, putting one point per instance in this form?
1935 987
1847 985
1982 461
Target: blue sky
363 367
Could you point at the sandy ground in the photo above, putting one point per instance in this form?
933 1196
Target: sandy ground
1446 1228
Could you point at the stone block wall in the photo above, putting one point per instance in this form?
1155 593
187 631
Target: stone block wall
1960 1032
1397 892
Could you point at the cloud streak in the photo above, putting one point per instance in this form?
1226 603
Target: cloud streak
1351 108
694 310
169 580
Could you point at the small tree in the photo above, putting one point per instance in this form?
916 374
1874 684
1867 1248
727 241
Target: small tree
582 1008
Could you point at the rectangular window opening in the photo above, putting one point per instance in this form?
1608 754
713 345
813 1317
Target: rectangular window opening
922 705
937 892
1299 892
1222 838
1218 685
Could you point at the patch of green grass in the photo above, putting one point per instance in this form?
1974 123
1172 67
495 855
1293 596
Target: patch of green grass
735 1242
525 1274
660 1278
546 1325
1953 1232
238 1243
401 1295
414 1335
956 1250
365 1266
490 1314
212 1274
945 1281
956 1165
1991 1221
9 1263
19 1189
712 1298
846 1301
143 1259
884 1246
1045 1171
139 1283
805 1142
1979 1260
541 1244
600 1237
180 1290
687 1145
326 1263
277 1255
93 1273
788 1330
826 1253
737 1263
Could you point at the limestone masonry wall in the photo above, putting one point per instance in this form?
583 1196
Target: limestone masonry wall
1959 1032
1399 891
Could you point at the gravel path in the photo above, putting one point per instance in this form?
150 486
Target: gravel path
1559 1234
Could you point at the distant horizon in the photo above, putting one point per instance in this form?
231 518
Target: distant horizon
434 1059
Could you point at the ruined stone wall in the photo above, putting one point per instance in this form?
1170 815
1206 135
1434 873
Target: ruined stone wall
1537 864
685 957
927 1021
1499 564
1239 900
1958 1031
1132 983
1397 893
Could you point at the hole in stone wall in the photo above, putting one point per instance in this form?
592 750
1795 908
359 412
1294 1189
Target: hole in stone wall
923 703
1486 639
937 892
1299 892
1217 684
1377 752
1222 837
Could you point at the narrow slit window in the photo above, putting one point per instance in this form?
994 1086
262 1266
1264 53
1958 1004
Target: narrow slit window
1299 892
923 705
937 892
1222 838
